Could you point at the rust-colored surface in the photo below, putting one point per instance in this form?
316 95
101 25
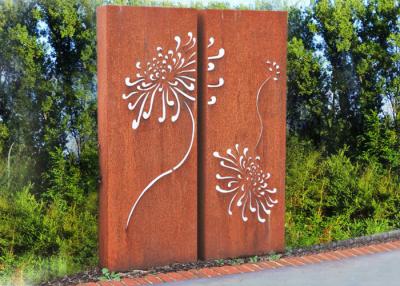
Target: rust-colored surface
249 39
150 173
163 227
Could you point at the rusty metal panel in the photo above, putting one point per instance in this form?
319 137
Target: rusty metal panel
242 143
147 89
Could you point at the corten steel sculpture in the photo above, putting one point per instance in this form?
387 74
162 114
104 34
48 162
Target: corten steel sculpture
155 67
147 63
243 143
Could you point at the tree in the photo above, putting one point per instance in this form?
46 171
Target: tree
344 74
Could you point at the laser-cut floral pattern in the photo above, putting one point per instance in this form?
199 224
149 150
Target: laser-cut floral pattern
211 67
247 183
245 179
167 78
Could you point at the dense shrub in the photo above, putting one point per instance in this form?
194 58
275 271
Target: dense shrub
328 197
41 238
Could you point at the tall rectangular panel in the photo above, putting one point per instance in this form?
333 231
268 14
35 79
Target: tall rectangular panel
147 89
242 143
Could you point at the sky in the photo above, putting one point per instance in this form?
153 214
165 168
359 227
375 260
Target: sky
247 2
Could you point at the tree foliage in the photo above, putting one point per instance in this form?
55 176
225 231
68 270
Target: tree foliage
344 77
48 139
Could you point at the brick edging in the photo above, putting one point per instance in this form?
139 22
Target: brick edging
293 261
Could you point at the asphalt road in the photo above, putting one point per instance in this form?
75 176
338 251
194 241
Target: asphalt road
376 269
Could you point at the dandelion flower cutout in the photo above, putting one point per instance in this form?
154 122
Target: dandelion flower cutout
244 179
246 182
166 78
273 72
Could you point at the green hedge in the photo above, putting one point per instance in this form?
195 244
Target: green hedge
331 198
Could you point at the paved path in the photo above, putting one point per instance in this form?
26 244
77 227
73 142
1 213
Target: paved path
376 269
374 264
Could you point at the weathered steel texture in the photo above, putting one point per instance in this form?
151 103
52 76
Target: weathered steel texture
148 156
249 39
156 157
